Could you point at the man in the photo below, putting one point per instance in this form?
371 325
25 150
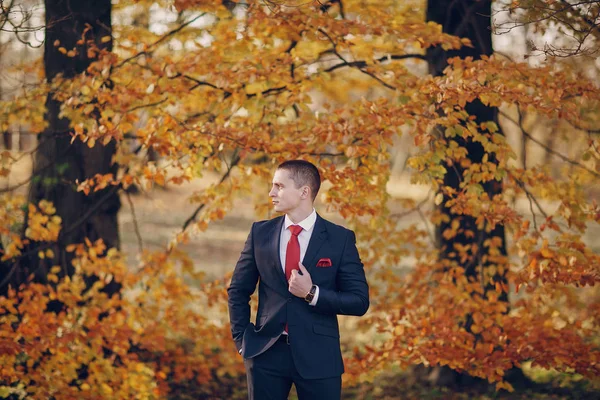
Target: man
308 271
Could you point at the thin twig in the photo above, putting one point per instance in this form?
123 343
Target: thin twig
529 197
6 13
552 151
362 64
344 61
135 223
192 218
430 234
412 210
163 38
532 200
144 106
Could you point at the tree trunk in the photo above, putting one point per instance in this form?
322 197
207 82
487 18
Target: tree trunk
470 19
58 162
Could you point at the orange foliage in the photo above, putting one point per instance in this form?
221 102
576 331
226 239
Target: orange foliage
247 101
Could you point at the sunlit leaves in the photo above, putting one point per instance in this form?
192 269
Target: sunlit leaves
42 224
235 93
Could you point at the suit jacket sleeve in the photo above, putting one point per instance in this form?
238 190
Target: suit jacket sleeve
352 294
243 284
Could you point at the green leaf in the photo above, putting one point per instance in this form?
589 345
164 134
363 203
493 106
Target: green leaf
490 126
475 189
403 99
450 132
62 168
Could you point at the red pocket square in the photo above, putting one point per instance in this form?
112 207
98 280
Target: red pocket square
324 262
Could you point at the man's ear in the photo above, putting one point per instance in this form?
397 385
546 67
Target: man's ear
305 192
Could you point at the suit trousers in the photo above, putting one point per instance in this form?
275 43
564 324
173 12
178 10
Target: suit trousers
271 374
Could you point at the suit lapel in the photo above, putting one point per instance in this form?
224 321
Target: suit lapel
275 238
318 237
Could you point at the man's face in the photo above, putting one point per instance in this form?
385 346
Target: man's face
284 193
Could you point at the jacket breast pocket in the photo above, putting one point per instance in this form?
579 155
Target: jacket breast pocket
323 275
326 330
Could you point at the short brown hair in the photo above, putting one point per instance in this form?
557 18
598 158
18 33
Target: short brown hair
303 173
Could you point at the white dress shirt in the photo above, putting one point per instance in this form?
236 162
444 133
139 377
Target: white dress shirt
308 225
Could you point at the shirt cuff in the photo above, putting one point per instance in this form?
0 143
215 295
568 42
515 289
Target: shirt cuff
314 300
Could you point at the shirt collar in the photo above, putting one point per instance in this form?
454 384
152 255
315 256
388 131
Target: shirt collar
307 223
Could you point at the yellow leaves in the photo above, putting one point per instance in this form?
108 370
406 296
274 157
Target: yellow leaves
106 389
452 231
13 249
45 206
439 198
256 87
546 253
71 247
180 103
42 224
504 385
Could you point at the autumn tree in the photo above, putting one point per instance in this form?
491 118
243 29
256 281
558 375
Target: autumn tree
466 242
77 32
226 91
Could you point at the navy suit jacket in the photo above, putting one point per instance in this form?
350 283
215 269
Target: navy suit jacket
314 332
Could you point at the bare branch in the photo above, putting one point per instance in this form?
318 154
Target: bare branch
580 18
236 159
4 15
361 64
412 210
135 222
429 232
532 199
561 156
160 40
347 63
144 106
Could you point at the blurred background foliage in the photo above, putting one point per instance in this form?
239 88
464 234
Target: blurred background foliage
459 139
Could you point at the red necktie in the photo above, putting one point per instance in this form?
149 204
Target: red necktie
292 254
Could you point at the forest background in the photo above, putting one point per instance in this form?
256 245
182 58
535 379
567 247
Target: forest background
459 139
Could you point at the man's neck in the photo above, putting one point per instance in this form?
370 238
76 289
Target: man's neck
299 215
